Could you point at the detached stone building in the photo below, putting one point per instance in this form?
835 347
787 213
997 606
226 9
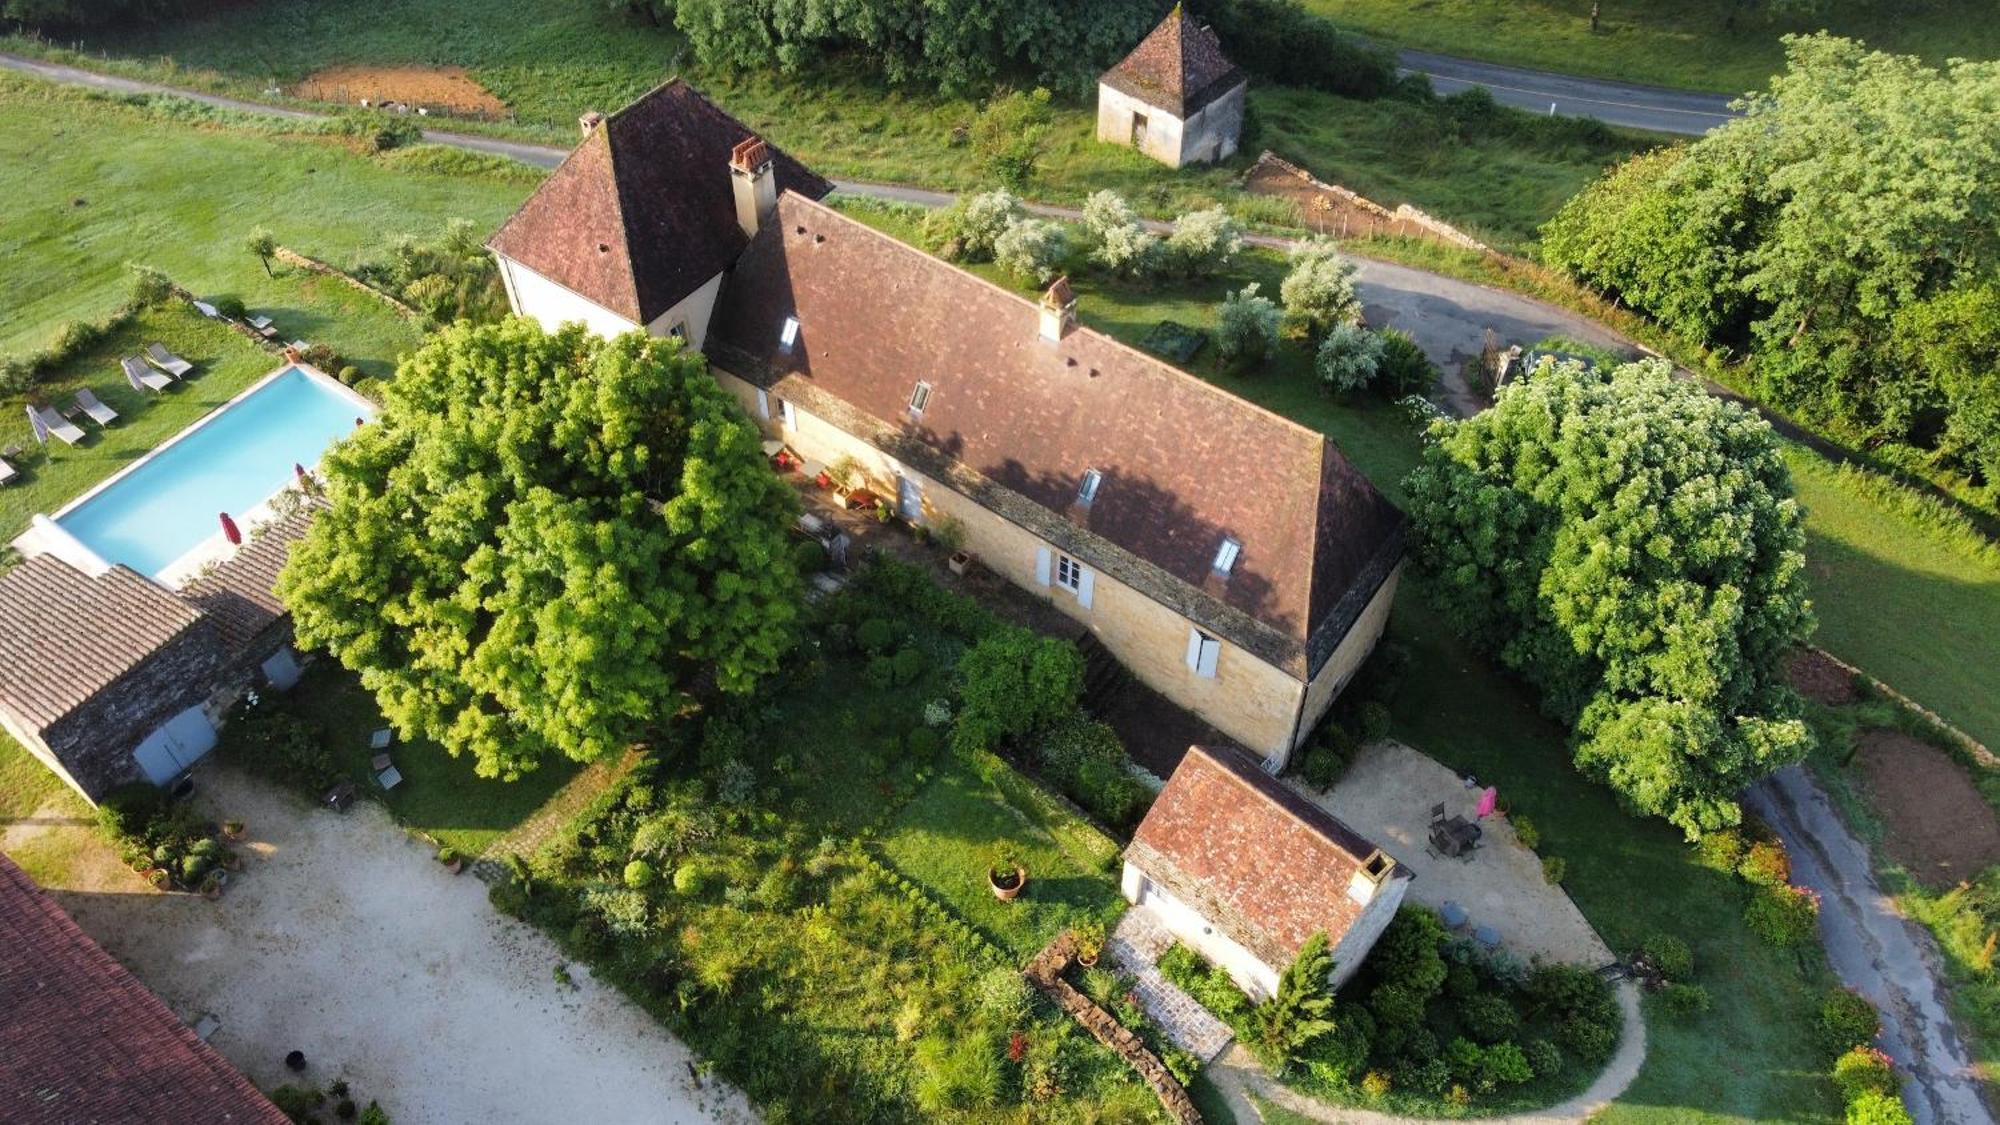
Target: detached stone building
1175 97
1233 560
110 678
1243 870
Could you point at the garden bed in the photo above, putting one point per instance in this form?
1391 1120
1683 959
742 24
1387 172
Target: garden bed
447 88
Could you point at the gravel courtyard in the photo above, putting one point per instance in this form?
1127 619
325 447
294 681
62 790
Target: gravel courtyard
343 938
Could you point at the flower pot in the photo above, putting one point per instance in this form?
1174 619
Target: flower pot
455 866
1087 960
159 878
232 831
959 561
1001 888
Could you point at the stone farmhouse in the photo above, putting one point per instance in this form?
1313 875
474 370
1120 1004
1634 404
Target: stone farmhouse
1233 560
1175 98
1242 870
109 677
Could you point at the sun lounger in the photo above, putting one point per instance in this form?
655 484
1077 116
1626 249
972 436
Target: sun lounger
168 361
258 322
207 310
142 377
8 473
54 423
94 406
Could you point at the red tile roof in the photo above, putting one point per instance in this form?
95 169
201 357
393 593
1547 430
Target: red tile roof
66 635
1179 67
1183 463
642 212
1261 863
81 1040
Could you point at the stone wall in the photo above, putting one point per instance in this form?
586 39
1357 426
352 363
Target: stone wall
1046 973
1332 209
96 740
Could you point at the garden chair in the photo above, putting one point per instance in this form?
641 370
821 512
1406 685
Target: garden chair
207 310
390 778
7 472
142 377
93 406
168 361
49 422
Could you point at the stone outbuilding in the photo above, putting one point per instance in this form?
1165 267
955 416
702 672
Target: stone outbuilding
1175 98
1243 870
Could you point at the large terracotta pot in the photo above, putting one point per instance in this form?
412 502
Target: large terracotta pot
1006 893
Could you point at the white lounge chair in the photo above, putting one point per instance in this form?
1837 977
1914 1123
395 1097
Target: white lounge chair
258 322
207 310
168 361
94 406
7 472
53 423
142 377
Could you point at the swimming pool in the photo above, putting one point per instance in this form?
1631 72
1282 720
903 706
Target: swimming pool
167 504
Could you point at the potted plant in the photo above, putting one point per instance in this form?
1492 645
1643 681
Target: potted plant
211 884
232 830
950 535
160 877
231 861
844 474
1005 873
453 862
1089 938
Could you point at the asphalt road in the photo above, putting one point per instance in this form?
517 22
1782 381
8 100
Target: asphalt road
1616 103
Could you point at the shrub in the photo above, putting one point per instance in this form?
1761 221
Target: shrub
735 782
1489 1018
1032 249
1203 243
923 743
1766 864
1348 358
1084 759
967 230
1373 720
1784 916
230 307
1503 1064
809 557
1408 954
1721 850
1318 290
1300 1011
150 287
1405 369
624 911
1589 1041
127 810
1463 1056
691 880
1847 1020
1376 1084
1685 1000
1331 751
1005 996
1670 955
639 874
283 745
1013 682
1116 239
1544 1057
1010 134
1862 1070
1555 868
1526 832
880 672
876 636
1247 328
908 665
373 1114
1877 1108
299 1103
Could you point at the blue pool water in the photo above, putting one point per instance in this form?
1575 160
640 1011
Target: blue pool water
239 458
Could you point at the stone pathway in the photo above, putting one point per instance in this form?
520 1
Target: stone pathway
528 837
1135 946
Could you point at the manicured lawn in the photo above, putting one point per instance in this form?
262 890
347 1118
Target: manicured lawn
93 184
28 790
550 61
440 796
1689 43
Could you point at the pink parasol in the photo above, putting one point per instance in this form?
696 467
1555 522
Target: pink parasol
1488 798
230 531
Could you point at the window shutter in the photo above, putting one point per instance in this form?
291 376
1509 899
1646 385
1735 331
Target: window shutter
1084 586
763 404
785 408
1042 565
1210 650
1194 649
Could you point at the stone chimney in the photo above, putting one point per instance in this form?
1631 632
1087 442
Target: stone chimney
755 183
1058 311
589 122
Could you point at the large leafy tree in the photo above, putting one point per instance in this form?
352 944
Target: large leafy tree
1860 184
544 542
1631 546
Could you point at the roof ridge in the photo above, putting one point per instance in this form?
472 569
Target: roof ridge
670 81
1235 400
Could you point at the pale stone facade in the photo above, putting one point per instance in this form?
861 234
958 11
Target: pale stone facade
1210 134
551 305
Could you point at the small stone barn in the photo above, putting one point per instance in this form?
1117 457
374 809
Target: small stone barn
1243 870
1175 98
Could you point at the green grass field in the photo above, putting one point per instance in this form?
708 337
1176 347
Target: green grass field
1687 43
551 60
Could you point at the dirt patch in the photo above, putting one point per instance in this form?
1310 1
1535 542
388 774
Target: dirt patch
445 88
1338 211
1814 675
1935 822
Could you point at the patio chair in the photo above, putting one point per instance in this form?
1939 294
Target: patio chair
390 778
94 406
208 310
8 473
142 377
260 323
167 361
54 423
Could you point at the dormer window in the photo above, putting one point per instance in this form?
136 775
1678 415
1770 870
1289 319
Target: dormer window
1087 491
1225 556
789 334
919 398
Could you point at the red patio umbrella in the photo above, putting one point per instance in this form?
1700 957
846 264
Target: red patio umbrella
231 532
298 470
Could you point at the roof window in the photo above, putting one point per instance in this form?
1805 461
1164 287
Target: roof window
1225 555
789 335
1087 491
920 397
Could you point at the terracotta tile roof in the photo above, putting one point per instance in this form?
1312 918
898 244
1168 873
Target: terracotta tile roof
1258 861
642 213
1183 464
240 594
1179 67
65 635
81 1040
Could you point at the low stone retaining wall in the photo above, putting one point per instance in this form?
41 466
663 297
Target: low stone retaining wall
1046 973
313 265
1969 744
1332 209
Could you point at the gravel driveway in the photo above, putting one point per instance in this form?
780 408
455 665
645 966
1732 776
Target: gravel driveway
345 939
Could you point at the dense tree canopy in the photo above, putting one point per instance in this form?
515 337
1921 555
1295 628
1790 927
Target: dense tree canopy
1630 545
543 541
1860 185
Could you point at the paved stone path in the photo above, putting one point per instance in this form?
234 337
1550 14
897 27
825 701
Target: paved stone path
528 837
1135 946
